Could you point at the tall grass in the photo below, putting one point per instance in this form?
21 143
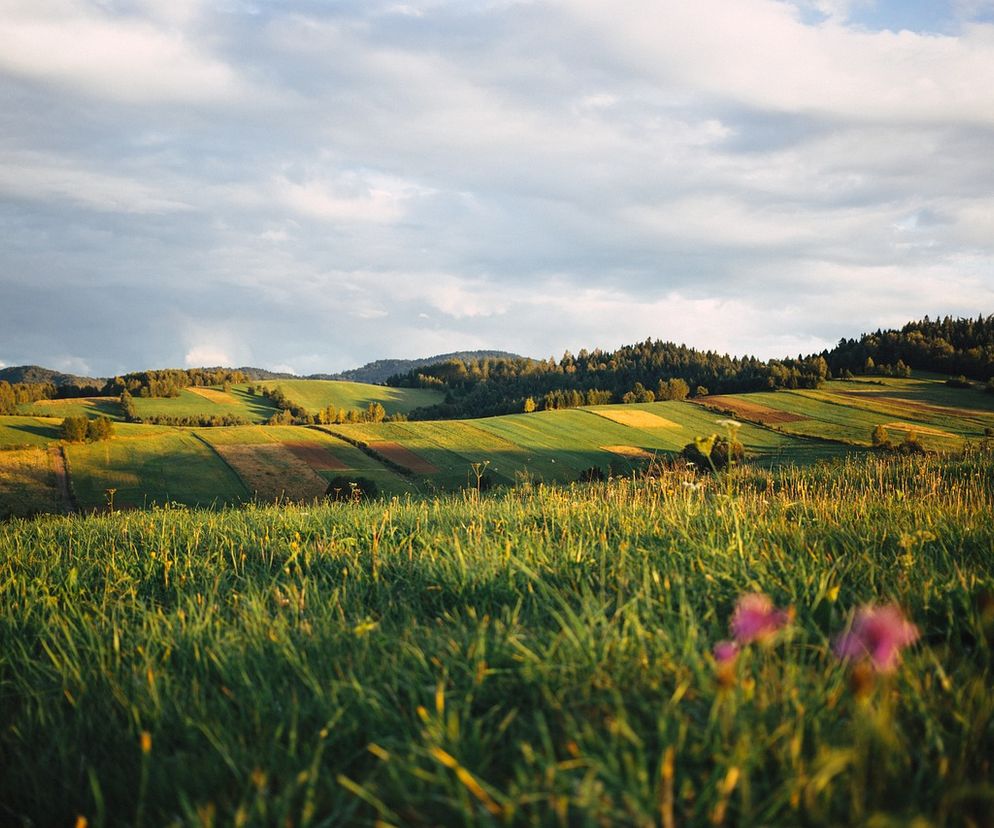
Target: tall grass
536 657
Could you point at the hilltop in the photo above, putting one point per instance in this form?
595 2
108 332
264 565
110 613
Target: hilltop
380 370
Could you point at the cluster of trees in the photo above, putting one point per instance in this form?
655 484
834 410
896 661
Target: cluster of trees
80 429
20 393
946 345
289 413
649 370
911 444
170 381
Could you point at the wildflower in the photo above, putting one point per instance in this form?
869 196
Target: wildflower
725 652
877 633
756 619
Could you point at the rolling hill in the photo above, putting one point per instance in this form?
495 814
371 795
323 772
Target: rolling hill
203 466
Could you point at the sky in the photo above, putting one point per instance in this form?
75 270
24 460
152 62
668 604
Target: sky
310 185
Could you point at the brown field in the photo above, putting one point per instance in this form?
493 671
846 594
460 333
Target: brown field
754 412
635 418
396 453
920 429
213 395
630 452
272 471
925 408
316 456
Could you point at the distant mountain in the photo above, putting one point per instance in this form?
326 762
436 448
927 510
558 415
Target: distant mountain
378 371
39 375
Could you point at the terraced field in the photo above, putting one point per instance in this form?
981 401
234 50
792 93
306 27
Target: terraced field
315 395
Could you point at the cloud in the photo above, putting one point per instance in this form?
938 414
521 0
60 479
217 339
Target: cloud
207 356
73 46
320 185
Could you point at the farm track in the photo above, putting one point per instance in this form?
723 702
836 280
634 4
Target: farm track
57 461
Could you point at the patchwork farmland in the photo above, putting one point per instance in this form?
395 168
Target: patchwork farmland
215 466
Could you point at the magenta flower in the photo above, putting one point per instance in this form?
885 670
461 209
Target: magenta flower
877 633
725 652
756 619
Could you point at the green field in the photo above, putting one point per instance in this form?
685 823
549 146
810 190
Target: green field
268 463
208 402
539 656
76 407
27 431
315 395
155 465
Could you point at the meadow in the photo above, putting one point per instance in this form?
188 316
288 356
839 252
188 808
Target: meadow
536 656
315 395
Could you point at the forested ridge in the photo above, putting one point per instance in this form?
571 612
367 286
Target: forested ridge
653 370
479 386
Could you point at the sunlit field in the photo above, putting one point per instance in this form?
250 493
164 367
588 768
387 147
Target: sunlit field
537 656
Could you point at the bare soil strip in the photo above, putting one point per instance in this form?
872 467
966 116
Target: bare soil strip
316 456
755 412
635 418
402 456
272 472
213 395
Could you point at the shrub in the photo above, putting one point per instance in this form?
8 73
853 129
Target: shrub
880 438
594 474
351 490
959 382
714 452
74 429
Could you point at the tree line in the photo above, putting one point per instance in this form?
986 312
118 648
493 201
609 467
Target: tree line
290 413
648 371
169 382
947 346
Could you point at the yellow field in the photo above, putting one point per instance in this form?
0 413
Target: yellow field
27 483
920 429
272 471
635 418
631 452
213 395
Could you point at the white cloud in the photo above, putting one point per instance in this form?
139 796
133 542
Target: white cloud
207 356
349 197
41 177
759 53
120 58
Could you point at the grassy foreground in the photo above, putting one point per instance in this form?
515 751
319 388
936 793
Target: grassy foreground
541 656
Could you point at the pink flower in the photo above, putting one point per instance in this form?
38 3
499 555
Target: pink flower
756 619
725 652
879 633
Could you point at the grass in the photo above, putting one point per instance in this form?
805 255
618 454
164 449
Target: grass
536 657
315 395
91 407
23 432
193 403
154 466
